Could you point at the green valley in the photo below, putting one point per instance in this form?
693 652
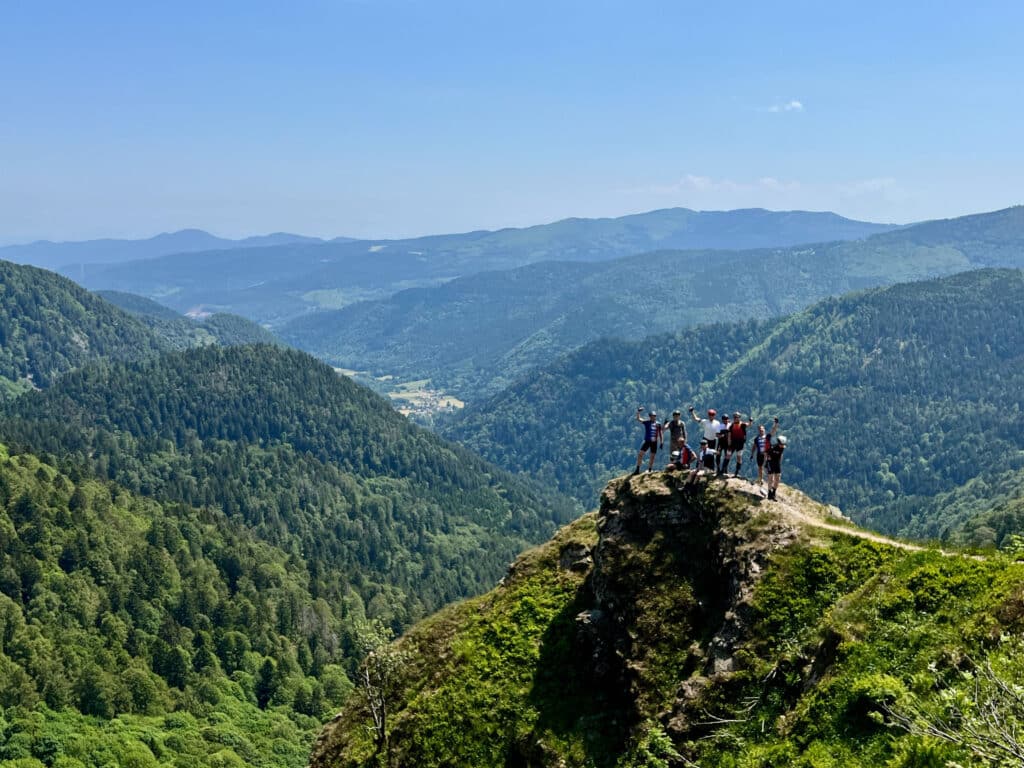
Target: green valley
310 461
477 334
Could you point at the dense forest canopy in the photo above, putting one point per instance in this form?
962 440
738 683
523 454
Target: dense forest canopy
889 397
309 460
50 325
193 543
206 644
180 332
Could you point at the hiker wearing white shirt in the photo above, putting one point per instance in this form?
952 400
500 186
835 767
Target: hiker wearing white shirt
711 426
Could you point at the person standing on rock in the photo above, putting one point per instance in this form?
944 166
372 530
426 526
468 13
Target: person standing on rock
711 426
759 451
735 441
677 432
775 463
653 438
722 444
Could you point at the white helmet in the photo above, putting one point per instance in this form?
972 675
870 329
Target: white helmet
782 439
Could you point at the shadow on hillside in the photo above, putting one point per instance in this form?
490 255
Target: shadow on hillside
578 703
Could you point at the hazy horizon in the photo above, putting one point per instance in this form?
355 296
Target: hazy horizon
328 237
399 118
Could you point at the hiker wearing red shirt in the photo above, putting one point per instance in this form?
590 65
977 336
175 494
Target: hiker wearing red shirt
682 458
735 439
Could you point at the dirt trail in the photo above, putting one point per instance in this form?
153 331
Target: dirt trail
802 509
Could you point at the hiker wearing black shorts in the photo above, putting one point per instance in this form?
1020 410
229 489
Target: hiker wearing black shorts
653 438
735 439
775 452
759 451
711 425
722 444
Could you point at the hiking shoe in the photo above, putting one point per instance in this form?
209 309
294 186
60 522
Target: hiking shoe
635 472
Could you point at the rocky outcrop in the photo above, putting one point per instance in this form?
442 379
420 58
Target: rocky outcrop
661 606
683 552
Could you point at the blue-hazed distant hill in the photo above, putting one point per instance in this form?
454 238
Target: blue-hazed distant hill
55 255
476 334
278 282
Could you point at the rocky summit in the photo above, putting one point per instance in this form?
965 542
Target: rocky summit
691 621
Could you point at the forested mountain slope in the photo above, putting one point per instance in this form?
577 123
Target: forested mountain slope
889 397
277 283
690 622
476 334
135 633
380 510
49 325
180 332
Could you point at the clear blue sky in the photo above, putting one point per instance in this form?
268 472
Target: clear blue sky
395 117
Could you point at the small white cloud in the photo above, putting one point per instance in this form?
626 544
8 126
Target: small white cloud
694 183
790 106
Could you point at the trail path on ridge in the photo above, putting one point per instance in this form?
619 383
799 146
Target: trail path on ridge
800 508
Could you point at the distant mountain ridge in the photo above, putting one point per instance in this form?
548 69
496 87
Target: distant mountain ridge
275 283
477 333
55 255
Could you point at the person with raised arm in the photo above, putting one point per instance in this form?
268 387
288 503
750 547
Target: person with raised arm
653 438
735 441
711 426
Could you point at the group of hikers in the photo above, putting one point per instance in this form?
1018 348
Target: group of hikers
721 443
